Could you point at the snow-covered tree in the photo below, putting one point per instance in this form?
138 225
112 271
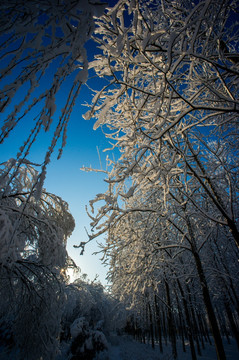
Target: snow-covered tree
42 55
171 92
170 108
43 64
33 253
89 315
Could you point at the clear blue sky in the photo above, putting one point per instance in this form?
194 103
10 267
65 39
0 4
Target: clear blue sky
77 187
64 177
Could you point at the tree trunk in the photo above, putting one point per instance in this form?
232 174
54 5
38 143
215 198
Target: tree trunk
170 322
194 322
232 323
151 325
210 312
189 333
234 231
181 326
158 324
201 330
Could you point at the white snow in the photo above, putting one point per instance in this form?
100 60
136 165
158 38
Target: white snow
77 326
129 349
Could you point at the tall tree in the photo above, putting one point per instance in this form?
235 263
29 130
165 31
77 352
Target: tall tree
171 93
170 108
33 239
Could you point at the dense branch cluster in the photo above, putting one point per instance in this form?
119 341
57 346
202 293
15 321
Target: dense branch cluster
42 49
33 236
170 108
39 309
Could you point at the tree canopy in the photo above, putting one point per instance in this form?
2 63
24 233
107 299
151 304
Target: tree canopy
169 108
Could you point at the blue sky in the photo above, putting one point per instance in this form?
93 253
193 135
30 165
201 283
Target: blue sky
64 177
77 187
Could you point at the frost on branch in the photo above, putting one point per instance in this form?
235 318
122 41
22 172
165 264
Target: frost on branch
88 311
40 227
42 47
33 235
170 108
171 89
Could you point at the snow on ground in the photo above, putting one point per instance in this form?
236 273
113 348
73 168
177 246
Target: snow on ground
124 348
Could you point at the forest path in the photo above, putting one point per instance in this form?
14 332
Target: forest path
124 348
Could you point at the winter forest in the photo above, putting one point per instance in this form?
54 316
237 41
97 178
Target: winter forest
166 98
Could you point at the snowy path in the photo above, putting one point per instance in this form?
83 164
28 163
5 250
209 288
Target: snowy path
124 348
127 349
114 353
